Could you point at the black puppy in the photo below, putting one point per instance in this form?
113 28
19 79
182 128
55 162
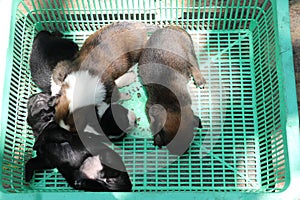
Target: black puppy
48 50
40 114
93 167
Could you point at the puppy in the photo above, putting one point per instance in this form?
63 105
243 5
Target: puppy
104 57
114 119
48 50
89 167
165 68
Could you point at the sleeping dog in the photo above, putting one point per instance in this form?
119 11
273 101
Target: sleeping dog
48 50
93 167
165 68
104 57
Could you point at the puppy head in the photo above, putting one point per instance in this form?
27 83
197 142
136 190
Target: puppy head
165 126
59 73
170 130
116 121
40 111
177 129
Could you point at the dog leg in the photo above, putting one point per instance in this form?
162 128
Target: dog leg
199 80
126 79
33 164
124 96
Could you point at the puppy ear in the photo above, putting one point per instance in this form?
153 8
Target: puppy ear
158 139
156 125
158 117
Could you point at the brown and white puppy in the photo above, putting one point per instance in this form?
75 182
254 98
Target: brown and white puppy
165 68
114 120
104 57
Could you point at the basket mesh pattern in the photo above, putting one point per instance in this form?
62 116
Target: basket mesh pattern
242 144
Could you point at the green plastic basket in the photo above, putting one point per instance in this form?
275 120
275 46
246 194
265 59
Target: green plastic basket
249 146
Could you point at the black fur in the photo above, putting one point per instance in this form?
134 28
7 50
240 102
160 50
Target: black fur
47 50
114 122
58 148
40 112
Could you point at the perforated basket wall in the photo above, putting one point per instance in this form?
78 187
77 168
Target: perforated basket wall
243 146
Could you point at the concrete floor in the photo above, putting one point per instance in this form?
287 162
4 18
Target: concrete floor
295 33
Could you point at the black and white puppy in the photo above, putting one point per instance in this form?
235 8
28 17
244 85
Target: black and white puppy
104 57
93 167
48 50
86 105
165 68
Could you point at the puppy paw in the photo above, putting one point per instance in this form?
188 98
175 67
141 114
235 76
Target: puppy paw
132 119
78 184
28 171
53 101
28 176
126 79
115 138
125 96
199 80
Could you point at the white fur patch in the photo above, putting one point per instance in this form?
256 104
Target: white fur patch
90 129
91 167
101 109
124 96
55 89
83 90
131 118
126 79
64 126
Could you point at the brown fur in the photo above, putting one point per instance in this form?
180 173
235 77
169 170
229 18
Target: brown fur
112 50
61 70
173 47
172 124
183 124
62 110
62 105
108 53
165 67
